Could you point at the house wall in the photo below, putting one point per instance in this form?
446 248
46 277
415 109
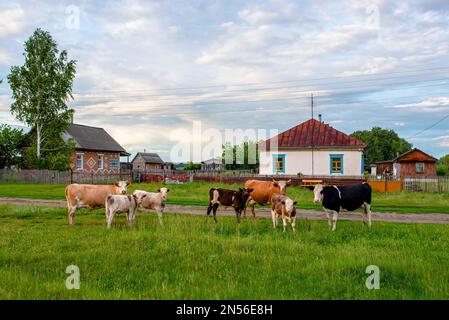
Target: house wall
408 169
139 164
90 161
300 161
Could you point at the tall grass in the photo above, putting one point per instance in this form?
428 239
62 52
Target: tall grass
193 258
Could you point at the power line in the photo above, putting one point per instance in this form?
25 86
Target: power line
273 82
192 95
429 127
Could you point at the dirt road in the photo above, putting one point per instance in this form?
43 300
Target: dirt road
440 218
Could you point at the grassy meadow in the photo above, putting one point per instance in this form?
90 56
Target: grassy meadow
197 193
193 258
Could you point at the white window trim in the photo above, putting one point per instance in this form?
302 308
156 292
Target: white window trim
82 161
102 161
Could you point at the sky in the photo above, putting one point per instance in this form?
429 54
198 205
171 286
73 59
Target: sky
152 73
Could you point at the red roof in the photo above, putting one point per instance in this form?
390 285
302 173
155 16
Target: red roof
317 134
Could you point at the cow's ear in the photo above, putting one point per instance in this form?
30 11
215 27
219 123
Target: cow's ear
117 184
289 182
158 190
295 203
275 183
168 190
251 190
240 189
127 183
311 188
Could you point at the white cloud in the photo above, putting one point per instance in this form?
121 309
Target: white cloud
11 21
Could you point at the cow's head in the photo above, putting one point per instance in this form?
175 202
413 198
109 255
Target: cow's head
163 192
290 209
121 186
240 198
318 193
282 185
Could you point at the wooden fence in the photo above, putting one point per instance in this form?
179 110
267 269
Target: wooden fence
417 184
60 177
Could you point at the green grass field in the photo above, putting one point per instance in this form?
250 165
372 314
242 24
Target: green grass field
190 258
197 193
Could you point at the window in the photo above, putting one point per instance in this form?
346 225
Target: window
114 164
79 161
336 163
420 167
278 163
100 161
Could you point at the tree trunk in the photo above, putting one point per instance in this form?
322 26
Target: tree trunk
38 142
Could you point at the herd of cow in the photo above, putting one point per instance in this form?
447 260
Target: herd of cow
114 199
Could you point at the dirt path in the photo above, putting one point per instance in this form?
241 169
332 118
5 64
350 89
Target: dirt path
440 218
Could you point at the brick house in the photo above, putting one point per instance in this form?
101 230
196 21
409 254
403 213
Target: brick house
95 150
413 163
148 161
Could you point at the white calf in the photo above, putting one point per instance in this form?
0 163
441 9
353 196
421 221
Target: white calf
152 200
121 204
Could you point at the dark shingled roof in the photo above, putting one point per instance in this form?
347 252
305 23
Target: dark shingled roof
150 157
93 138
317 134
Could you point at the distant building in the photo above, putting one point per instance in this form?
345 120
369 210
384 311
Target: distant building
312 148
95 150
214 164
413 163
147 161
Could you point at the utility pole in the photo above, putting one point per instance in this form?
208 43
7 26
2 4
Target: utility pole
313 131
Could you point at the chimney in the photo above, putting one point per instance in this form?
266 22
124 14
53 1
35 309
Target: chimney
319 117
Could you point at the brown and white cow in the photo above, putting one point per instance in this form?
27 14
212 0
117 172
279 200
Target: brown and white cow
90 196
263 191
283 206
119 203
152 200
228 198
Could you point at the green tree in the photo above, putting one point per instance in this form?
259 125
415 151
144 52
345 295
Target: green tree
382 144
192 166
11 142
443 166
247 152
41 88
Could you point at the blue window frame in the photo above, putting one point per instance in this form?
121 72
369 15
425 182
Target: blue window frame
278 163
363 164
336 163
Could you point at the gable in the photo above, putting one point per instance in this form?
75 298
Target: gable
415 155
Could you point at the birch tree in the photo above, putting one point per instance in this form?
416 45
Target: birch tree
42 87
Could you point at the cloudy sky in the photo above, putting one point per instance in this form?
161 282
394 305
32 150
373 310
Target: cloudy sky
147 70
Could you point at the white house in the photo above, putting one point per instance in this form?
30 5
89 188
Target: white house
312 148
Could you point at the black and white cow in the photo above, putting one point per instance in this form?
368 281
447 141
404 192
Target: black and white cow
350 198
228 198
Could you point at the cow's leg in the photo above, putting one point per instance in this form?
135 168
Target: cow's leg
246 205
273 216
214 210
329 219
368 213
252 203
159 214
71 213
238 216
209 209
110 217
334 220
294 224
284 223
